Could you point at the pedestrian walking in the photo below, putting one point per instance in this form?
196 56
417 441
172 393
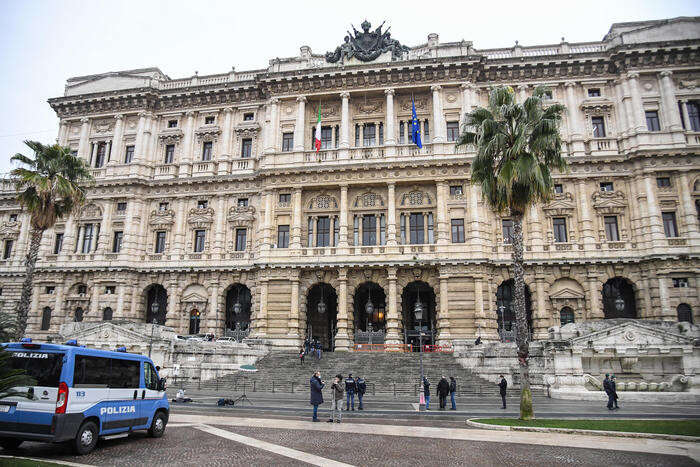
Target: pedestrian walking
350 392
426 392
301 356
361 388
613 388
608 391
316 386
336 400
318 347
443 389
307 345
503 385
453 390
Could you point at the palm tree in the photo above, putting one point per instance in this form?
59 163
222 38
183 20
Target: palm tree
49 188
517 147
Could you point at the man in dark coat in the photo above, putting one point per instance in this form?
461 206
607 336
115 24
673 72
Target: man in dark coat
316 385
350 392
608 391
613 390
426 392
453 390
361 388
503 385
443 390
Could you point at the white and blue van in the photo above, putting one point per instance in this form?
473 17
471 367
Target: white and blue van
81 395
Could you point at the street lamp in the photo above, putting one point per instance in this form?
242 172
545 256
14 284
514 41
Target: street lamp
619 303
418 312
321 307
154 310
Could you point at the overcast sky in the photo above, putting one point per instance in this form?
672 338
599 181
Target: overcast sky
43 42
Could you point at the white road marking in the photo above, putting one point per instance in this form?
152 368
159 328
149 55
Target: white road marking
51 461
274 448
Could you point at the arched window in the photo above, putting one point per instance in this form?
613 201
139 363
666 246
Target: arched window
685 313
618 299
107 314
46 319
194 321
506 314
78 315
566 315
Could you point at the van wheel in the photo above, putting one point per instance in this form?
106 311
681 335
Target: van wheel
10 444
86 439
158 425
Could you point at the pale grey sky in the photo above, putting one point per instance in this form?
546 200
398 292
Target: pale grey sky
43 42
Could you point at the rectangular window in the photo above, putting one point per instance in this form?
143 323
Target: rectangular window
611 231
283 236
559 226
457 230
652 117
382 230
452 131
310 233
110 290
357 135
558 188
606 186
326 137
206 150
598 124
403 229
117 242
121 207
456 190
401 133
50 289
287 142
369 134
101 153
199 237
670 226
381 134
547 95
58 243
129 154
91 372
241 239
417 232
594 92
13 217
87 239
285 198
323 231
163 206
172 123
202 204
242 202
356 230
369 230
336 231
246 147
160 241
680 282
507 226
662 182
209 120
125 374
431 234
247 117
169 154
693 115
426 132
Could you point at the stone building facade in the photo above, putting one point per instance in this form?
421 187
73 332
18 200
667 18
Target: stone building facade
211 209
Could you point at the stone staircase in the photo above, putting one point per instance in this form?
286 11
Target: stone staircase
394 374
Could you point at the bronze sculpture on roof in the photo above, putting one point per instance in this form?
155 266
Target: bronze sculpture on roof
367 45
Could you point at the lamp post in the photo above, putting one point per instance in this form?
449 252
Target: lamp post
154 309
418 311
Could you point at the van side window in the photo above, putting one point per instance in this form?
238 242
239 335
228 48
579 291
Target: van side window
149 376
125 374
91 372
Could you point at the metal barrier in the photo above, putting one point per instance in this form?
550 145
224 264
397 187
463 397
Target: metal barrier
382 347
438 348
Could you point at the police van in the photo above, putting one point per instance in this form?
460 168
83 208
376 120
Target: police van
81 395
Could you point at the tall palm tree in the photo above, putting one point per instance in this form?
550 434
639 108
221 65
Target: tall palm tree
48 188
517 147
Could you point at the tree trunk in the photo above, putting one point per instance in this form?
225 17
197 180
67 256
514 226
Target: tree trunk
522 337
27 286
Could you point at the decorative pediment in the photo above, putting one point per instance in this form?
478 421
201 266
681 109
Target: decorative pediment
631 333
562 204
90 212
567 294
103 126
368 200
416 197
106 331
162 218
323 202
370 107
597 107
9 230
241 216
247 129
194 297
200 217
327 111
609 202
208 132
170 135
407 105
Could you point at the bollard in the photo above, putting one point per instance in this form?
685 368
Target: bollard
292 387
394 390
253 386
273 386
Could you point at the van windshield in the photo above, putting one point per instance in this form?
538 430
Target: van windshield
45 368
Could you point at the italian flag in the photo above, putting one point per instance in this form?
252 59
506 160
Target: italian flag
317 136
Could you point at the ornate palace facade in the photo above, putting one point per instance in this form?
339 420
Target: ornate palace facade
211 210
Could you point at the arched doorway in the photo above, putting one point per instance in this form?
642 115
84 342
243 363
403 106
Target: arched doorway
413 293
238 307
107 314
321 315
505 295
78 315
194 321
46 319
618 299
566 315
369 306
685 313
156 304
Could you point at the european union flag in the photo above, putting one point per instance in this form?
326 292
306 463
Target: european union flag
415 126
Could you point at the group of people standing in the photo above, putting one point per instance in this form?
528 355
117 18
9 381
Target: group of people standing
340 387
610 388
313 347
444 388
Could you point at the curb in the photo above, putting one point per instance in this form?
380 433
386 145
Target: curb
48 461
576 431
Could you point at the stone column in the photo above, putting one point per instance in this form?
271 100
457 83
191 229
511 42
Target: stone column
534 227
342 338
267 221
294 310
83 145
186 149
120 301
467 102
637 106
443 318
343 241
103 240
667 314
588 234
689 216
94 301
295 242
391 215
439 130
62 138
442 224
594 296
540 321
475 221
654 214
344 121
58 303
271 133
117 142
623 119
299 126
140 149
93 154
575 125
261 319
211 323
668 101
179 228
522 92
389 132
392 315
219 228
224 157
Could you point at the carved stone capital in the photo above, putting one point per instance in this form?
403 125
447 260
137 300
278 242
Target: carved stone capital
435 88
84 120
143 114
468 86
301 99
389 92
190 113
632 75
570 84
119 117
345 95
228 110
666 74
274 101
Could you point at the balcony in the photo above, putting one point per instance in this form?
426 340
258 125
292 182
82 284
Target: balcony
692 138
601 146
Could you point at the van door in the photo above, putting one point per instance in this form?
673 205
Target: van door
124 392
34 414
150 394
90 392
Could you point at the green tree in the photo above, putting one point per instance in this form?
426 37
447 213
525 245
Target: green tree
48 187
517 147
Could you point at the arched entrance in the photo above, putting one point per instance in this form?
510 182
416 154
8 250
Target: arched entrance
685 313
238 306
505 295
156 304
321 315
46 319
418 292
369 306
194 321
566 315
78 315
107 314
618 299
